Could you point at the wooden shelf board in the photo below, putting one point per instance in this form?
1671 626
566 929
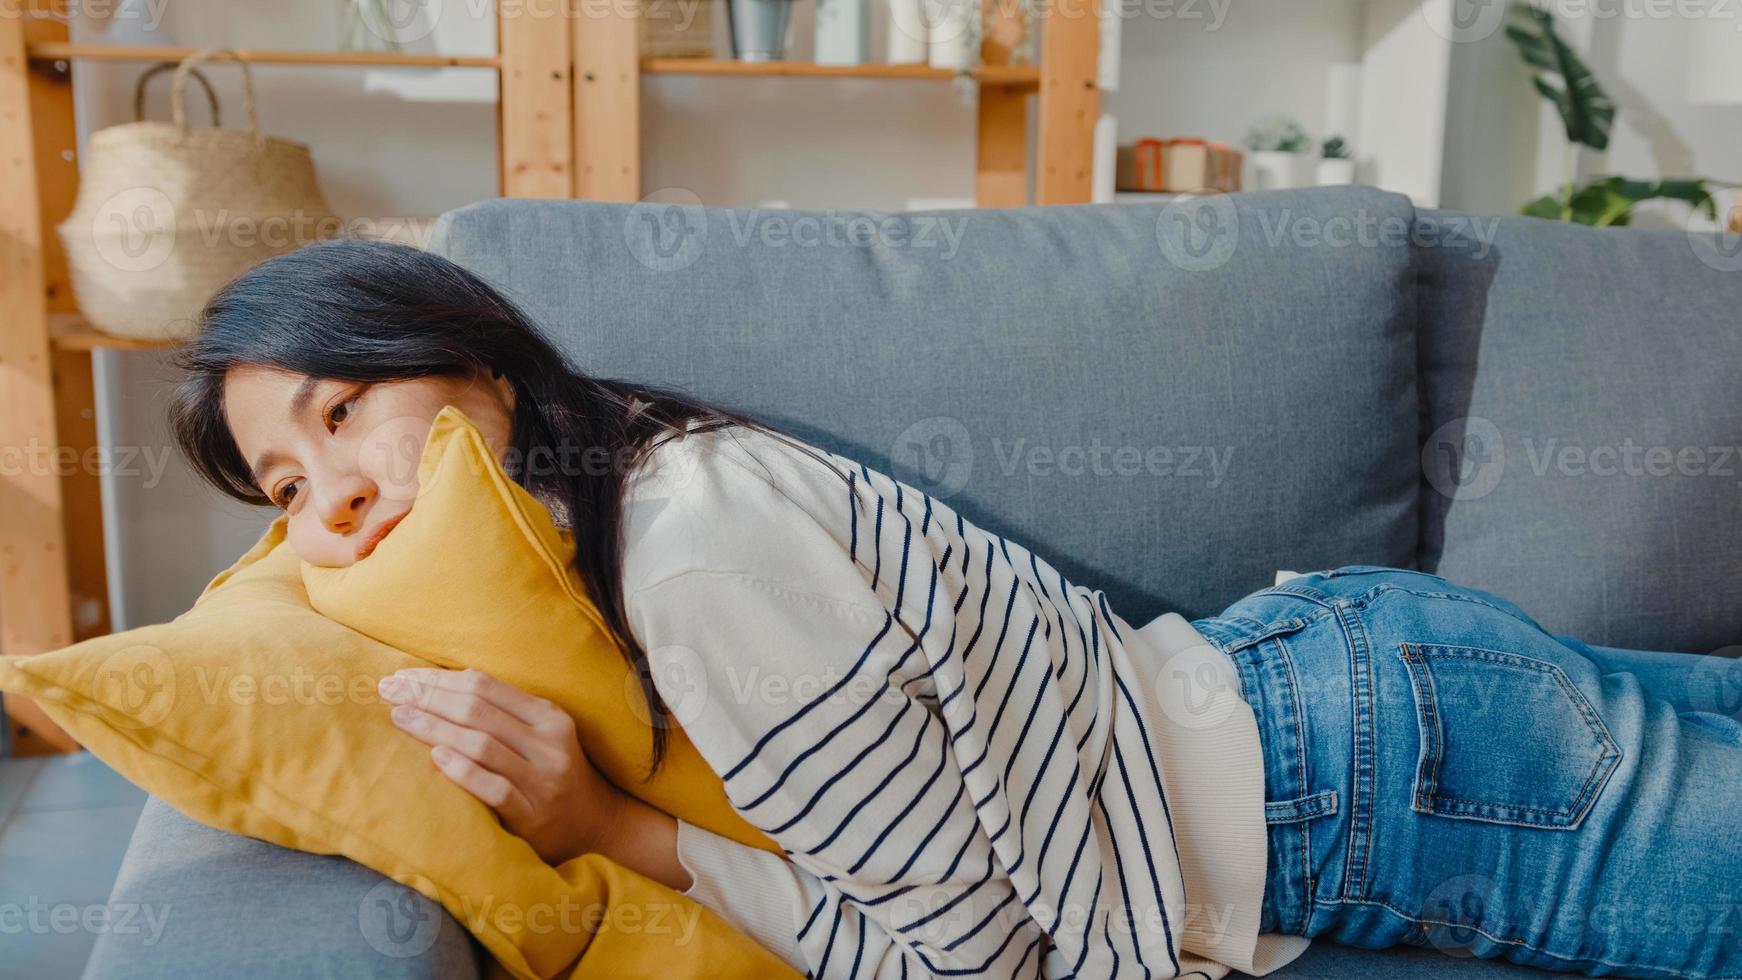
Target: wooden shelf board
71 331
1011 75
62 50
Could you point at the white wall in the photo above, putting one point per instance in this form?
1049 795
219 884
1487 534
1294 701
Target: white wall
1210 70
1506 145
1642 61
1493 127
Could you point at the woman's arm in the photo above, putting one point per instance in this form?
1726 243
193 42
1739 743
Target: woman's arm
475 726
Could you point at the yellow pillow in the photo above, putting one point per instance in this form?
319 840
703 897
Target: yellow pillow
477 575
254 713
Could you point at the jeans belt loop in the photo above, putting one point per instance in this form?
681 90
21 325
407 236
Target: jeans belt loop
1321 804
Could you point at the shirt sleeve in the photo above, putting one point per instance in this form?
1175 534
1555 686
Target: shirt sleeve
816 710
757 893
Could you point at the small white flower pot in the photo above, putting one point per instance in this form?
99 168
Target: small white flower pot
1275 169
907 33
1332 172
950 36
843 32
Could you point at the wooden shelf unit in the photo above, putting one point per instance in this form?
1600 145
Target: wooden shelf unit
65 51
568 126
1018 76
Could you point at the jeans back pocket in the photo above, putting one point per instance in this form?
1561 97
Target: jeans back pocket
1505 738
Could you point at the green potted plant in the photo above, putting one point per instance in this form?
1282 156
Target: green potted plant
1278 146
1587 112
1335 164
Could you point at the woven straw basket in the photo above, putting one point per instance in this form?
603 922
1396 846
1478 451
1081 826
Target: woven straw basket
167 214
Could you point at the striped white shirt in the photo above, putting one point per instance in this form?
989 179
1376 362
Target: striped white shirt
975 767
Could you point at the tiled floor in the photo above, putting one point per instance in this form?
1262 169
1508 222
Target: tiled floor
64 824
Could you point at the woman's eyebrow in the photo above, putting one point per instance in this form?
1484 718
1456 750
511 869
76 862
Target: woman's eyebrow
262 463
305 391
299 401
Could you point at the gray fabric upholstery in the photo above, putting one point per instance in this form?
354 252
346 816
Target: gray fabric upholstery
1044 330
231 906
1583 415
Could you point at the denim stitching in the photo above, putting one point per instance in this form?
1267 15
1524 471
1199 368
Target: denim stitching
1306 592
1286 660
1362 764
1257 632
1302 809
1427 764
1608 757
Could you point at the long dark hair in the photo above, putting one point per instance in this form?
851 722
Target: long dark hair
363 310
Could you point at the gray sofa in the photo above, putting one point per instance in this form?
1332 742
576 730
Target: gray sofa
1169 402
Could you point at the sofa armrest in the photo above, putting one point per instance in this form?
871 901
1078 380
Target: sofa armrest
193 902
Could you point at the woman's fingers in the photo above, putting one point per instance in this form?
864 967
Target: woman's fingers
516 752
481 746
477 702
430 681
493 789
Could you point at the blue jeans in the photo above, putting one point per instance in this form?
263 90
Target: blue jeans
1442 771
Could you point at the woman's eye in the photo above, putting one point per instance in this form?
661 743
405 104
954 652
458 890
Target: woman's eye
284 495
341 411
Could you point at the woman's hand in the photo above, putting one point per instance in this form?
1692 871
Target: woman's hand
519 754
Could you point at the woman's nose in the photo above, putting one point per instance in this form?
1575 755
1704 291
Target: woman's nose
342 512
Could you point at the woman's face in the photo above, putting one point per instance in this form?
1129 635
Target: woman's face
341 456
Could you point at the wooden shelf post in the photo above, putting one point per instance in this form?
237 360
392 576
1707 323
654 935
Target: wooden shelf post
536 109
607 46
1070 50
1001 144
35 601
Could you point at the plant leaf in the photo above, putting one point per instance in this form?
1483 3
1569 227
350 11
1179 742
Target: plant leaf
1604 202
1609 201
1694 191
1546 206
1586 110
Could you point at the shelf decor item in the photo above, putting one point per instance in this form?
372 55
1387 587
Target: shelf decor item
1223 169
843 32
1278 145
676 29
167 213
365 25
1140 167
1181 165
908 34
1335 164
758 28
952 37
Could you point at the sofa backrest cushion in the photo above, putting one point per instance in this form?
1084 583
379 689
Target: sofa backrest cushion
1582 393
1167 402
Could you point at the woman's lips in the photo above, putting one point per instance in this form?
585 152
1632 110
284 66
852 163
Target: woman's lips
376 535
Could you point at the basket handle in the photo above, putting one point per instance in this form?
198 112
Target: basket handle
180 84
153 71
